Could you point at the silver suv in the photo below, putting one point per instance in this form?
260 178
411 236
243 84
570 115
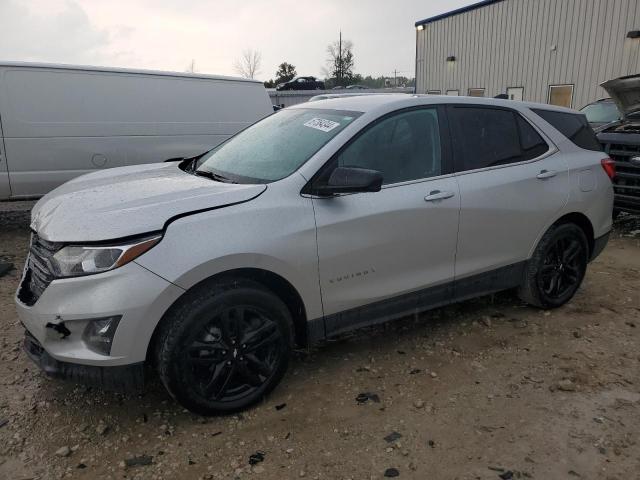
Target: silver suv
317 220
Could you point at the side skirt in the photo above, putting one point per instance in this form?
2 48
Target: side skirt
503 278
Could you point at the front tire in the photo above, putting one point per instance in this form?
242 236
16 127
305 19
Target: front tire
224 347
556 269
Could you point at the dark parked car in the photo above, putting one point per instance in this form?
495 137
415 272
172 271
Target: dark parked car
302 83
601 113
621 141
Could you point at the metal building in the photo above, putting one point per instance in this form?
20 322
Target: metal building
548 51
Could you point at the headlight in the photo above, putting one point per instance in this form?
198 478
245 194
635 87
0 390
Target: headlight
73 261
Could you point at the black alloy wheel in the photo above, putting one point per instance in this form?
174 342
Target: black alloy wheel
234 354
562 268
224 346
557 267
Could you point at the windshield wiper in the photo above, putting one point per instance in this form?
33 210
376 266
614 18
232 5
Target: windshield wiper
213 176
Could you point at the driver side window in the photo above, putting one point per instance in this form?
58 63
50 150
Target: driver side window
403 147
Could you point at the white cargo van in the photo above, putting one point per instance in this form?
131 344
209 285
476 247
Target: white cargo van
60 121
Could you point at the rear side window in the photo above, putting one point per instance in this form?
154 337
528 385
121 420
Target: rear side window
532 143
484 137
573 126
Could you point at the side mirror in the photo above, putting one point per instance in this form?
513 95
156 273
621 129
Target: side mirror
350 180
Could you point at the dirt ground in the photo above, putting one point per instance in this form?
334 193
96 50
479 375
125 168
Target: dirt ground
487 389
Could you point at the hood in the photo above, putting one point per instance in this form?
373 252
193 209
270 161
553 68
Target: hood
625 91
120 202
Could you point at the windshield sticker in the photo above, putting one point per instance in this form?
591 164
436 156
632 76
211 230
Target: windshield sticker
322 124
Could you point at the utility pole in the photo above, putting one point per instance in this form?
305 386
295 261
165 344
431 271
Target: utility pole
395 76
340 59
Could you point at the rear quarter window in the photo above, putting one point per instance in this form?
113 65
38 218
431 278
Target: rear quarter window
574 126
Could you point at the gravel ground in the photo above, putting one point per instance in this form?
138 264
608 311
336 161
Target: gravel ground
487 389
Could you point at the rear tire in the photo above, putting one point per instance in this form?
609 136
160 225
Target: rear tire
556 269
224 347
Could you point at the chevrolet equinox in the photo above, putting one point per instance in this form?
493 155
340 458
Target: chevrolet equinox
315 221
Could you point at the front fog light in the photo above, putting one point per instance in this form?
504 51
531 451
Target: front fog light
98 334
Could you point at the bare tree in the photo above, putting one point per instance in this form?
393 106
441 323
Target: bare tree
340 61
248 66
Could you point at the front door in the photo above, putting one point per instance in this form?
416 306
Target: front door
387 253
5 190
512 184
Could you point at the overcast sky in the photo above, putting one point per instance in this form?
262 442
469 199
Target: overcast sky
169 34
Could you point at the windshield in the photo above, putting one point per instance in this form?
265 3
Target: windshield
601 112
275 147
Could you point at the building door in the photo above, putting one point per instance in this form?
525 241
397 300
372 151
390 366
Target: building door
515 93
379 245
5 190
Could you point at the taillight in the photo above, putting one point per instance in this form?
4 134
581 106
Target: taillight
609 167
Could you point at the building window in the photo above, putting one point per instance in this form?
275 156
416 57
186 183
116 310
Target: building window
560 95
453 93
515 93
433 92
476 92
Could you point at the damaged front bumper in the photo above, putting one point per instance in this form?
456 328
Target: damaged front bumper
122 379
59 341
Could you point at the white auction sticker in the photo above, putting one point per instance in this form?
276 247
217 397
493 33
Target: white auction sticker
322 124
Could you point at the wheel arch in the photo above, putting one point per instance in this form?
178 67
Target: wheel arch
271 281
582 221
577 218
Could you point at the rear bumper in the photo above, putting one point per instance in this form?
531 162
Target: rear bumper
598 245
123 379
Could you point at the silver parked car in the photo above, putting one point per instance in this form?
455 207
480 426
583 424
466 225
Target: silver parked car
314 221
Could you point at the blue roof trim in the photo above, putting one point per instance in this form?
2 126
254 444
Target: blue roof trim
468 8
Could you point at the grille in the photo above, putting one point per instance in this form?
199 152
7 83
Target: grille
626 185
39 273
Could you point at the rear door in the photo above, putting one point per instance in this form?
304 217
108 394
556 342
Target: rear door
379 249
5 189
512 184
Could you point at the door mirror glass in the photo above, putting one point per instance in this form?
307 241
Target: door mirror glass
350 180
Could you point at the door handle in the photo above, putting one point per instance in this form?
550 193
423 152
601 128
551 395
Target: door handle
438 195
546 174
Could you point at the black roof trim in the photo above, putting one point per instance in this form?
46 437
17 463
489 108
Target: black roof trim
468 8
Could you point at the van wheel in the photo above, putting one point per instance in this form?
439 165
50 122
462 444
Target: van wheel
556 269
225 347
